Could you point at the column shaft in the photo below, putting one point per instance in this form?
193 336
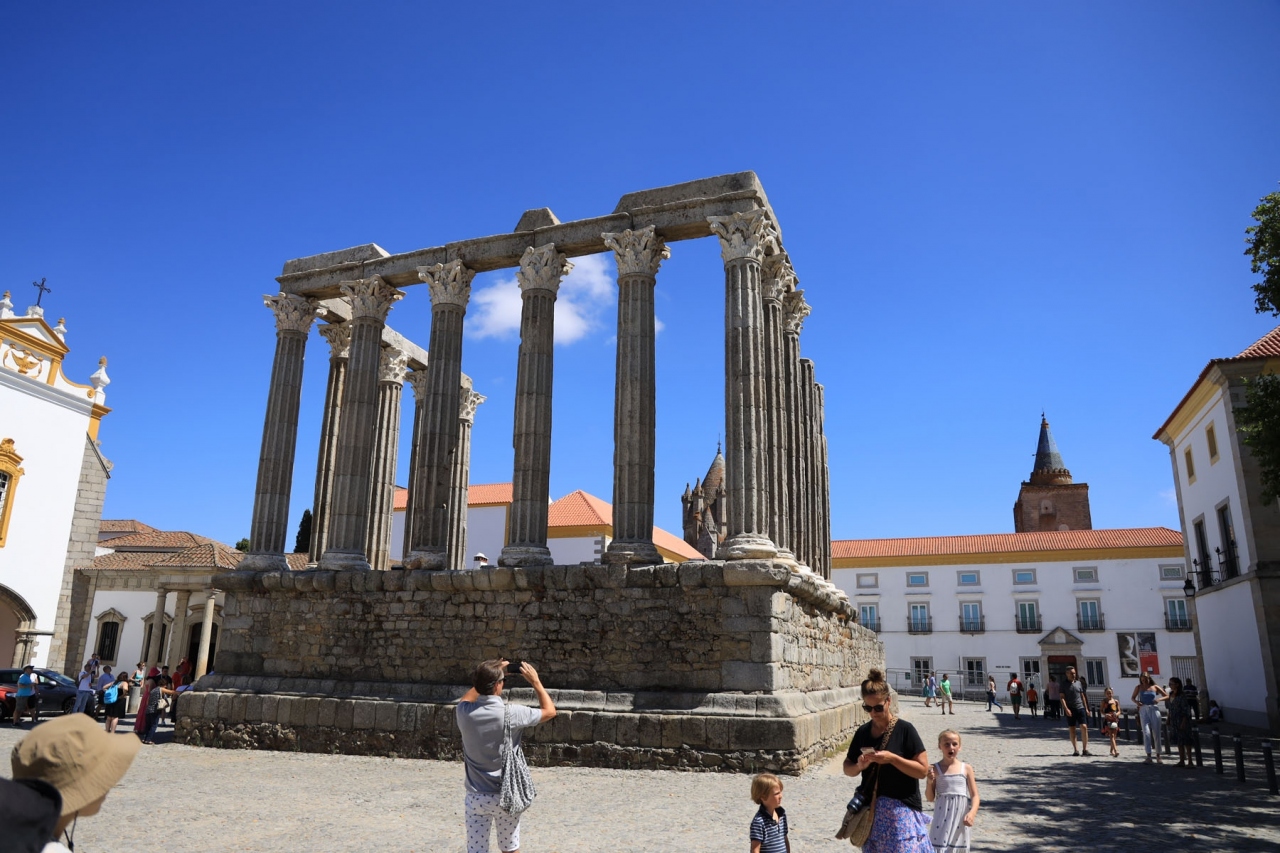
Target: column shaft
177 633
795 309
638 254
418 381
339 337
776 282
824 487
270 522
352 482
812 539
460 479
540 272
383 490
155 646
206 635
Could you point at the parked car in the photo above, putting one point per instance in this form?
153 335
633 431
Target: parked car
57 692
7 692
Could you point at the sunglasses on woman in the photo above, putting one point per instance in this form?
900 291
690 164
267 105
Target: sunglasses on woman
873 709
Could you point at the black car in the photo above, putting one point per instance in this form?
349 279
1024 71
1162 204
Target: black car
57 692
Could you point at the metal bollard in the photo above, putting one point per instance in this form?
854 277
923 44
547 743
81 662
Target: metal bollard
1195 741
1239 747
1268 761
1217 751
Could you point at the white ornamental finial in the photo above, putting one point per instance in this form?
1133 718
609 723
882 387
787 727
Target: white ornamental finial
99 380
6 306
61 329
35 311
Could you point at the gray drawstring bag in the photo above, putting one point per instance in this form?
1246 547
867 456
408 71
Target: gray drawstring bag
517 785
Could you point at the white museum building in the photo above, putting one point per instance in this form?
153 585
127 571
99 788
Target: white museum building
1232 538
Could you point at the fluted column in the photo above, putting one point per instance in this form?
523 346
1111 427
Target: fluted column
809 440
155 648
539 276
638 255
206 635
391 370
460 480
418 381
794 309
339 337
779 278
178 632
270 522
371 299
824 488
450 288
744 238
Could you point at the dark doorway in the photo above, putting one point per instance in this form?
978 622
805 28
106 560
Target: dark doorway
193 645
1058 666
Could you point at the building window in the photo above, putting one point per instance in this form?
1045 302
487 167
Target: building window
1227 556
1028 618
869 617
110 624
1172 573
148 622
920 670
1030 668
917 579
1175 615
1022 576
1191 466
1203 567
10 473
1089 615
971 617
975 673
1086 575
968 578
919 622
1095 674
868 581
1211 437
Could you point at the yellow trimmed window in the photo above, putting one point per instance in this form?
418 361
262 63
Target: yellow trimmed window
10 473
1212 438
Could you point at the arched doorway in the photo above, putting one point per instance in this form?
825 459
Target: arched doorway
17 621
193 644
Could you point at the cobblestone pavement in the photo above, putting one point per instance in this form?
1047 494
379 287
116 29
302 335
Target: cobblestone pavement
1036 796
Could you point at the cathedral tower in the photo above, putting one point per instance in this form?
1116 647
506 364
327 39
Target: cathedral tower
1050 500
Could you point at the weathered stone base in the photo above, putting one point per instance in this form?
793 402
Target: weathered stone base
721 732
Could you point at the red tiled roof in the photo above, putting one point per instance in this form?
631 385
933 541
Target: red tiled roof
123 525
297 562
997 543
1267 346
123 560
162 540
489 494
209 555
579 508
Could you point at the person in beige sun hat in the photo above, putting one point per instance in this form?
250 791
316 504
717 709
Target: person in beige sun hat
79 759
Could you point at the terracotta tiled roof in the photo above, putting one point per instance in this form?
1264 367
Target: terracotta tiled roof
675 545
998 543
400 499
297 562
1267 346
489 494
160 540
579 508
209 555
124 560
124 525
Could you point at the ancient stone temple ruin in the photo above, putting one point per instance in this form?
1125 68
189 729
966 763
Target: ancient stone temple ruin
750 660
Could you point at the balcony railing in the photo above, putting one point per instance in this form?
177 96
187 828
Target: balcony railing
1091 623
973 626
1228 562
1026 624
1177 623
873 624
920 626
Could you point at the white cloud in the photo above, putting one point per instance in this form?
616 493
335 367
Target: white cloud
1170 496
585 296
658 326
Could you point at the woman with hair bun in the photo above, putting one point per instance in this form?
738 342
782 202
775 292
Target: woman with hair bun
891 759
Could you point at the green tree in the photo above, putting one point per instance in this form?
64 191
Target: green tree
243 545
302 543
1259 421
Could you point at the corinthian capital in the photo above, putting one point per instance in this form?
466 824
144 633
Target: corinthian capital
293 313
418 381
794 310
744 235
779 276
468 403
638 252
392 364
448 284
339 337
371 298
542 268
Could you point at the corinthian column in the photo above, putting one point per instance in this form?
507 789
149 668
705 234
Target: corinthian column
348 533
779 278
638 254
824 489
808 439
418 381
279 434
540 272
339 337
450 288
795 309
743 240
460 479
391 370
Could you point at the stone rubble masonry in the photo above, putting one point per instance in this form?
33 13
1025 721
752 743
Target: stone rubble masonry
692 665
71 621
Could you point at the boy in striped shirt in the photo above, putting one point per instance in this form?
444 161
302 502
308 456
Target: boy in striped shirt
769 826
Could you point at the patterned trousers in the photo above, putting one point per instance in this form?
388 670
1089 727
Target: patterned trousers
482 810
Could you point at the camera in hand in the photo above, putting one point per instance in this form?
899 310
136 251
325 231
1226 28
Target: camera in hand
513 667
857 803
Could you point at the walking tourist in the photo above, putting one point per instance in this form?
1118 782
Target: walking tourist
1075 705
769 826
79 759
1147 696
1015 694
27 699
100 685
889 755
951 784
482 717
1180 718
114 698
1111 718
991 693
944 695
135 688
1033 697
158 703
84 687
1052 698
930 689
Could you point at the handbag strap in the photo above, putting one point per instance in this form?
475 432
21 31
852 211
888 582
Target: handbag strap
884 741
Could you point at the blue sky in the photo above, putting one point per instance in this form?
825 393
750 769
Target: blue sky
994 209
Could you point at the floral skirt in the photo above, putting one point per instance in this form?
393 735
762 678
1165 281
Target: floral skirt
898 828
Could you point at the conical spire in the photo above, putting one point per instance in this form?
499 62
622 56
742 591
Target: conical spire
1049 469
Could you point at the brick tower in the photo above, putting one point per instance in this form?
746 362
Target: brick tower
1050 500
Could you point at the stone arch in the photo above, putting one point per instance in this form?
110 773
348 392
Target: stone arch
17 622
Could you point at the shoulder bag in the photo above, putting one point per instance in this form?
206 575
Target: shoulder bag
857 825
517 785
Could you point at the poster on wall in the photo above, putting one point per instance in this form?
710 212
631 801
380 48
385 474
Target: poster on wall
1138 654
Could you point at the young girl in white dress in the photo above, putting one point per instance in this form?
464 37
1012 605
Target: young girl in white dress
954 790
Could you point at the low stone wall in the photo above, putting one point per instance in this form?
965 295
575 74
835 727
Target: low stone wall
713 665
